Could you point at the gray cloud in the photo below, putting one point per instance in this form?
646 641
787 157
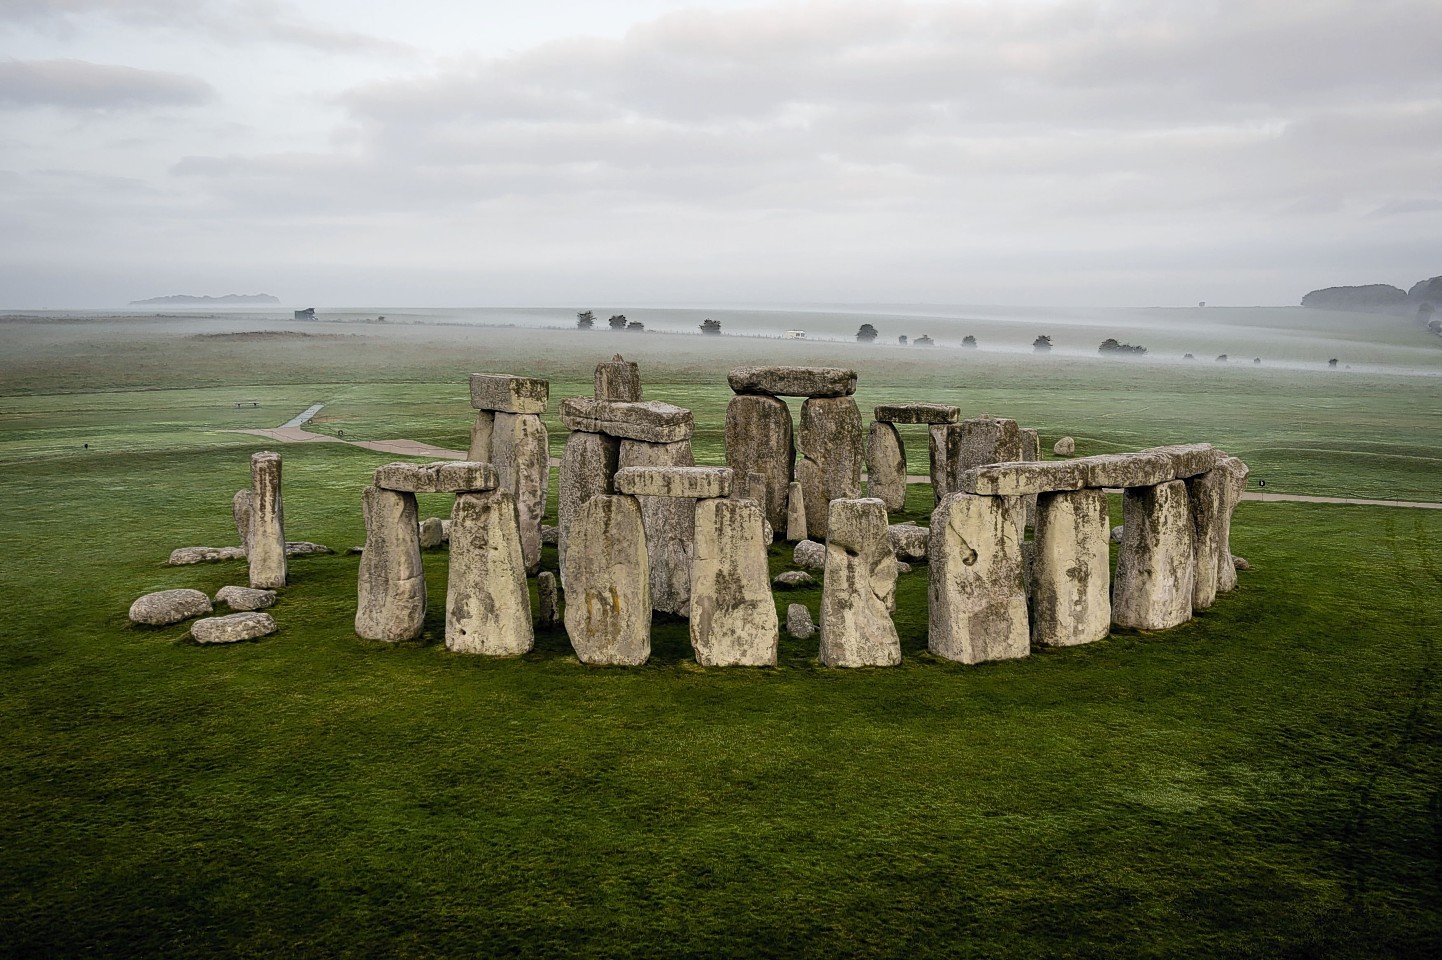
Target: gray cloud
80 85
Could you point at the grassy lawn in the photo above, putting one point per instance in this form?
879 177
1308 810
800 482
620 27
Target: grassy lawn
1263 781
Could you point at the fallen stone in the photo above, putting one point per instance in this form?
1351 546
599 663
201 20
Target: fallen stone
976 596
1155 567
670 524
232 628
608 600
588 467
784 381
809 554
759 438
244 598
521 454
886 466
184 556
649 420
488 607
733 615
548 600
859 588
503 393
265 547
694 482
1238 563
799 623
1112 470
164 607
1022 479
1070 575
430 532
831 453
909 541
1189 459
915 413
618 379
795 512
301 548
442 476
240 511
1065 447
391 586
794 580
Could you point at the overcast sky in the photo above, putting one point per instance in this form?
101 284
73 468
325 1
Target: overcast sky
350 152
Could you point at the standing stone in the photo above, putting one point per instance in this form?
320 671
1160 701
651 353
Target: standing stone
759 439
588 467
795 512
753 487
608 606
831 455
521 454
391 594
482 432
1155 567
886 466
432 533
1236 472
1207 496
266 547
618 379
976 595
240 509
1030 453
488 608
859 588
733 615
548 598
958 447
670 524
1070 593
799 623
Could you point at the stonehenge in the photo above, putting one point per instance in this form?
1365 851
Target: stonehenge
858 588
488 608
831 453
509 435
1156 569
608 605
975 594
265 546
886 452
733 615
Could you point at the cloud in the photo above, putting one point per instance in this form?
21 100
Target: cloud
81 85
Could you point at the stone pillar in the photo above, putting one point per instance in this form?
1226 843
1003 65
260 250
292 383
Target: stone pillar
1070 592
753 487
859 588
266 547
482 432
733 614
521 453
608 606
958 447
1237 473
548 600
240 510
795 513
617 379
1207 496
488 607
830 465
1030 453
886 466
1155 568
976 598
759 439
391 601
587 466
670 526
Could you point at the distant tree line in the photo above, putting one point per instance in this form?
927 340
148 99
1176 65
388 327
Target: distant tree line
1110 345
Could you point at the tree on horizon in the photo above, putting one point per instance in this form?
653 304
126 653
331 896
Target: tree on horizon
617 321
711 327
585 320
635 326
1041 344
866 334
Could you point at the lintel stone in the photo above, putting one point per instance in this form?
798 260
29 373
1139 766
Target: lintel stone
786 381
693 482
1127 470
503 393
1189 459
442 476
1023 479
915 413
649 420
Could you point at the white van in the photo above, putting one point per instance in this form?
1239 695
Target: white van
795 334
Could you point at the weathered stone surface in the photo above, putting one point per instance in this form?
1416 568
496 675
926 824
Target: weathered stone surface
902 567
799 623
430 533
244 598
1240 563
733 615
693 482
1155 567
759 439
648 420
957 447
859 588
1065 447
670 526
830 444
1189 459
548 600
240 510
1022 479
886 466
482 432
608 593
164 607
809 554
265 548
1030 445
794 580
446 530
909 541
301 548
442 476
391 587
618 379
1236 472
232 628
488 607
784 381
1111 470
521 453
185 556
976 595
588 469
915 413
795 512
504 393
1070 589
550 535
1207 505
1117 534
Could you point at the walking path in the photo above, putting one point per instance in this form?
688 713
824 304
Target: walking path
300 418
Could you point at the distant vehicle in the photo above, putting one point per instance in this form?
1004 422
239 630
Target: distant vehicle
795 334
307 314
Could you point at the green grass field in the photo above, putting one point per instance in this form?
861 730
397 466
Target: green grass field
1263 781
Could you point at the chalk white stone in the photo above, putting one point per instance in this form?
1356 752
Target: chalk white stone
859 588
265 547
830 444
733 615
1155 568
504 393
886 465
391 588
759 438
608 592
1070 575
976 596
